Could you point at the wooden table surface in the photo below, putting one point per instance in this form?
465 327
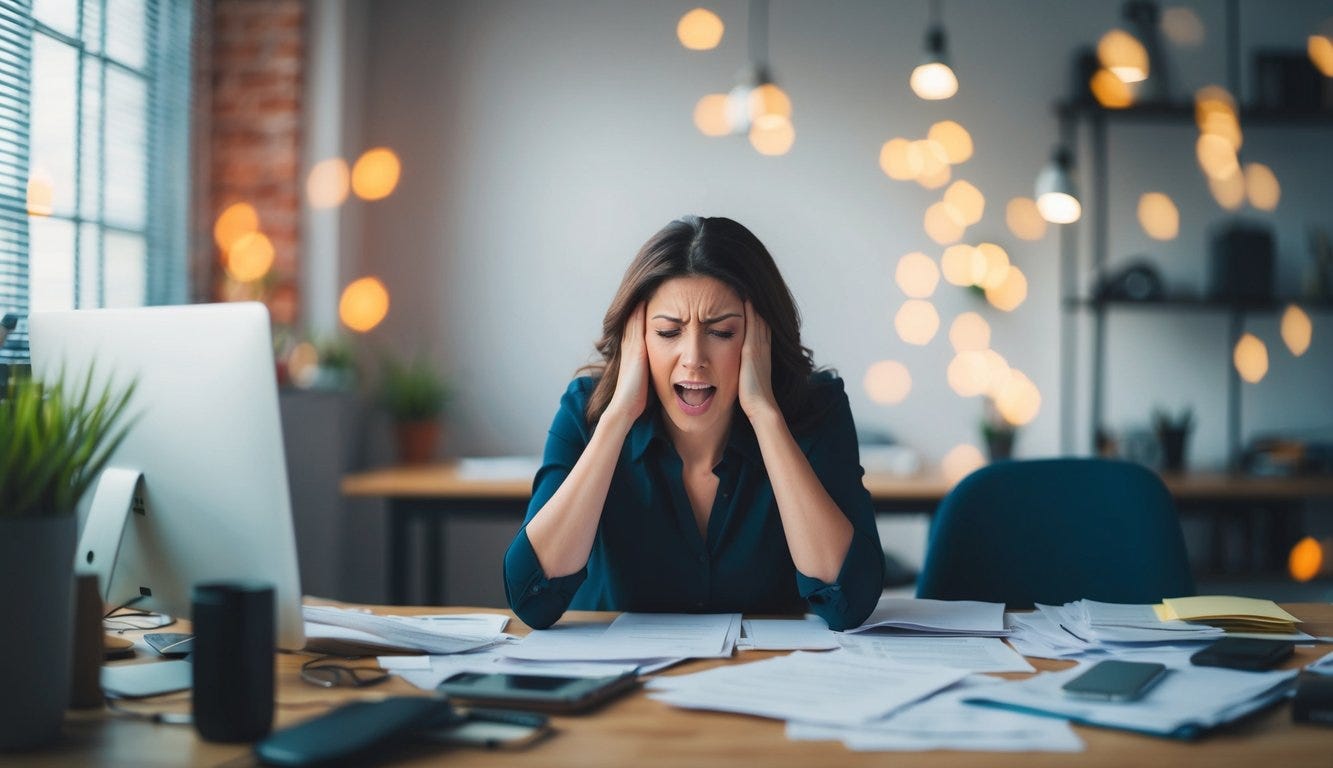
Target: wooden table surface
636 730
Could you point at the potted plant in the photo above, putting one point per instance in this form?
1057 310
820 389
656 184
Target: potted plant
1173 431
415 396
998 433
57 438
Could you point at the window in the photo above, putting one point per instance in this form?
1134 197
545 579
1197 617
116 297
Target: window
94 107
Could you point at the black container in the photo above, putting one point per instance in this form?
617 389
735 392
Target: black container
233 660
1242 263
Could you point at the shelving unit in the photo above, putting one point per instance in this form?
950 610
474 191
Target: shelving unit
1074 281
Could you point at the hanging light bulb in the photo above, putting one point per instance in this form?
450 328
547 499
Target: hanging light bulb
757 106
1057 200
932 79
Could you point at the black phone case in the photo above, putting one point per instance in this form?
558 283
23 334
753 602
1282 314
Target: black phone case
1245 653
353 730
597 696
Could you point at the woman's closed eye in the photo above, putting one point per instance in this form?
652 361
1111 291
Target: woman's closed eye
672 333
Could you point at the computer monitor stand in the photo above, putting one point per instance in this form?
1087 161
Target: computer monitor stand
119 494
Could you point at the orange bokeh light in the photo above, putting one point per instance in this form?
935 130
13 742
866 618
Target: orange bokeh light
249 258
375 174
236 221
364 304
700 30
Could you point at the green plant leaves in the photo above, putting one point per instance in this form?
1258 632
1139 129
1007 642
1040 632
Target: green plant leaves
54 441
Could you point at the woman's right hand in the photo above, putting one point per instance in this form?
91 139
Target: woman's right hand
631 394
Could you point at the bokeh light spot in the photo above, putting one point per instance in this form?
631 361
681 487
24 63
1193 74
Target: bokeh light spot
375 174
953 139
1159 216
1024 219
917 275
1297 330
327 184
700 30
364 304
1250 358
888 382
916 322
969 332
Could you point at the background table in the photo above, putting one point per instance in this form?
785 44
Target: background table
429 495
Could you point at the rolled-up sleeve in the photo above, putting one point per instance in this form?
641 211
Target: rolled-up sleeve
537 600
836 461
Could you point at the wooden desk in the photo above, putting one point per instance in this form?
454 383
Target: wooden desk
429 495
641 732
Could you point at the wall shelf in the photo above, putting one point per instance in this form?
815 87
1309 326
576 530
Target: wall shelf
1075 271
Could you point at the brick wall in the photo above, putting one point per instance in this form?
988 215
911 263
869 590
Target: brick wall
254 57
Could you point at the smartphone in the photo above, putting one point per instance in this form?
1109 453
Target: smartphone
539 692
1115 680
1249 653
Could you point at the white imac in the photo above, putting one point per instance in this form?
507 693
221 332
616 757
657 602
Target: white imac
198 490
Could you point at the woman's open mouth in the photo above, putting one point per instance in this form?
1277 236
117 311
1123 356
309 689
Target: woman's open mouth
694 397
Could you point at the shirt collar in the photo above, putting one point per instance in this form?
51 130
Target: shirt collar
649 429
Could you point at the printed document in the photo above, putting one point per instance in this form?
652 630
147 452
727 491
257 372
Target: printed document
937 617
834 688
974 654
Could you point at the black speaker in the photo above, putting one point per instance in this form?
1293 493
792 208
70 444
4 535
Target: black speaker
1242 269
233 660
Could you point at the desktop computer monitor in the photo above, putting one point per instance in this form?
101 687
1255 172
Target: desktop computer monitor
198 491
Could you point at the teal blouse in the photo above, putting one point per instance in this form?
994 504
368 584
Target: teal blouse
648 554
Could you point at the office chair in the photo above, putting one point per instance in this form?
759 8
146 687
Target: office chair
1057 530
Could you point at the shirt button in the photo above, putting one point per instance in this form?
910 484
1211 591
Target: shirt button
536 590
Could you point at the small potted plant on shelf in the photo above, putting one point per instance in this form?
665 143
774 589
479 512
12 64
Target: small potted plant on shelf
55 438
998 433
415 395
1173 431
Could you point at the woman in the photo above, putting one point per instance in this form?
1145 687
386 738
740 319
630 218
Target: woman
705 466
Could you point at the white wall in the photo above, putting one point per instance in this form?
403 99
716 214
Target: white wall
543 142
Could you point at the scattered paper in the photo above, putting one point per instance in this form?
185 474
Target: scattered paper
975 654
943 721
639 637
937 617
835 688
354 632
788 635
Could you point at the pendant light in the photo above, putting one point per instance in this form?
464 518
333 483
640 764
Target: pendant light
757 106
932 79
1057 199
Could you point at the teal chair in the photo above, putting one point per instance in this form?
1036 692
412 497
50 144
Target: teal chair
1056 530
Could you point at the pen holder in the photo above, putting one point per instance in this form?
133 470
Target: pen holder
233 660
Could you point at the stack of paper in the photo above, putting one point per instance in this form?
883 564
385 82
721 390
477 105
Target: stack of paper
809 634
638 637
352 632
955 618
974 654
1234 614
835 688
1187 702
1096 622
944 721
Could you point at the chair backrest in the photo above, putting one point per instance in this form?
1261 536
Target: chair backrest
1056 530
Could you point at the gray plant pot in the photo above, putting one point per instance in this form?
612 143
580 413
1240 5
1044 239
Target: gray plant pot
37 568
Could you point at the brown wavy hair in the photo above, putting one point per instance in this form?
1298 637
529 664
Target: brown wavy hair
726 251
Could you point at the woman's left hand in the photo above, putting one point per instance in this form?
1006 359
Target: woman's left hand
756 378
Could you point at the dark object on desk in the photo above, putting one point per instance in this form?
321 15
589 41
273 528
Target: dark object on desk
356 732
1115 681
1314 699
1137 281
1053 531
1242 263
233 660
492 729
1248 653
541 693
1287 80
173 645
115 647
85 690
1287 457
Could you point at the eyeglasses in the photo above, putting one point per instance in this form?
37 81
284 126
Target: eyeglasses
330 674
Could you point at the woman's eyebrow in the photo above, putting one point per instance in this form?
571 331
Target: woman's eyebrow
707 320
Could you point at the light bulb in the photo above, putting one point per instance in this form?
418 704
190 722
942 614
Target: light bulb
933 80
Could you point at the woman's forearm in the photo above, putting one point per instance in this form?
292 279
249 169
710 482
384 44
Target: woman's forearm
818 533
562 532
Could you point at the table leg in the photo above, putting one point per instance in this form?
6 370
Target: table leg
397 554
435 587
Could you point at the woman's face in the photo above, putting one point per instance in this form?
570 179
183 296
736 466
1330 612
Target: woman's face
696 326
